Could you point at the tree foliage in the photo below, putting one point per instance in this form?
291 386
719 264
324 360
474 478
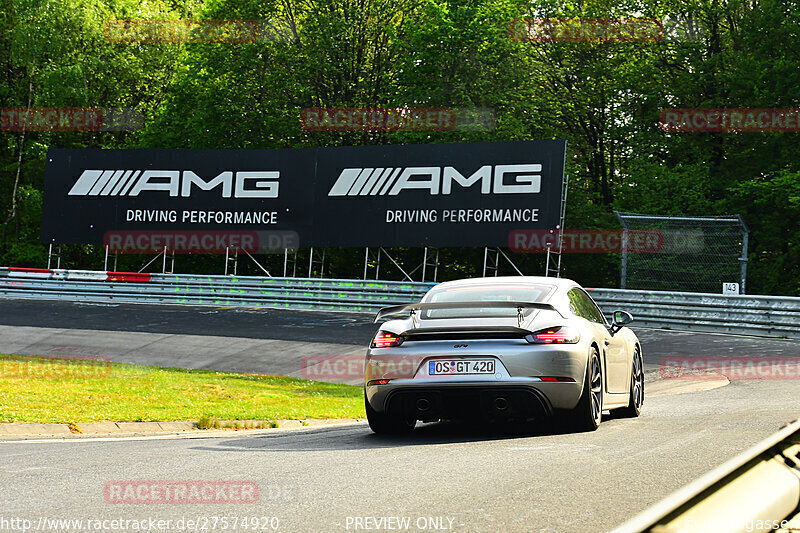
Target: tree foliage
604 98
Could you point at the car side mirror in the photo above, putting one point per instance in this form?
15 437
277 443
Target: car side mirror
620 319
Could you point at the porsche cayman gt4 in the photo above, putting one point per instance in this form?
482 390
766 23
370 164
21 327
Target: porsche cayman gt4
517 348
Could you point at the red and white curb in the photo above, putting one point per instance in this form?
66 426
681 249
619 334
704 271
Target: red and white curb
73 275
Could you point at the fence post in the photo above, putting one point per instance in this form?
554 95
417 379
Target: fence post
743 259
624 270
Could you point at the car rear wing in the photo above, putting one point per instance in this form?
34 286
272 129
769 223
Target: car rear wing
483 332
413 309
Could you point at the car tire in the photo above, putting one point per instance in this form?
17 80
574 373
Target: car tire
383 424
586 416
636 398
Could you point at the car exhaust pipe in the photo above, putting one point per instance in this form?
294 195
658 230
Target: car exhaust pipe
500 403
423 405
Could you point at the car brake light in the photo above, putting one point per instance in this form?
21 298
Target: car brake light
378 382
550 378
386 339
554 336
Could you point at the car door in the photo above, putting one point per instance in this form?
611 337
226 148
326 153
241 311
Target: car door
612 346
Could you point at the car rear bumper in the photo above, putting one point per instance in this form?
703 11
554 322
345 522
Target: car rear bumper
519 367
454 402
515 398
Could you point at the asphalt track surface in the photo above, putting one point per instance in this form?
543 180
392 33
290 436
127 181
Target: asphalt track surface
343 328
259 340
462 477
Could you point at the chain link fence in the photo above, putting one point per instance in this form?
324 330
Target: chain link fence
695 254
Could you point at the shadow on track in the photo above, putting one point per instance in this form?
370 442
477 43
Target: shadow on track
360 437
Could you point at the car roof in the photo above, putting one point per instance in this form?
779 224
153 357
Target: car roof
560 283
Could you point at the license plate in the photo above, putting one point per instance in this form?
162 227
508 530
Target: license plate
460 367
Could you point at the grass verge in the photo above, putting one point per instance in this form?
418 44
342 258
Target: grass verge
42 389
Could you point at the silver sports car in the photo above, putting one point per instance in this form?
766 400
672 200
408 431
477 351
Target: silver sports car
516 348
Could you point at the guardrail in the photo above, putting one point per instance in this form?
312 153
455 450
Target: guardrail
243 291
769 316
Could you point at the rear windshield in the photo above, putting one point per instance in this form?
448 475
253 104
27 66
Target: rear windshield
486 293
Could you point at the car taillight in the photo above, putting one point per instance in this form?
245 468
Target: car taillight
554 336
386 339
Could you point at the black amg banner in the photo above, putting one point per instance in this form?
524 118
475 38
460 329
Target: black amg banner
467 194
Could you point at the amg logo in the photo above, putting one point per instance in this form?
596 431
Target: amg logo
258 184
436 180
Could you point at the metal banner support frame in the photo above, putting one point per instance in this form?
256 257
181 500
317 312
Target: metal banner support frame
427 263
553 261
164 254
233 258
51 255
105 262
287 259
377 260
171 257
493 263
320 262
430 258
